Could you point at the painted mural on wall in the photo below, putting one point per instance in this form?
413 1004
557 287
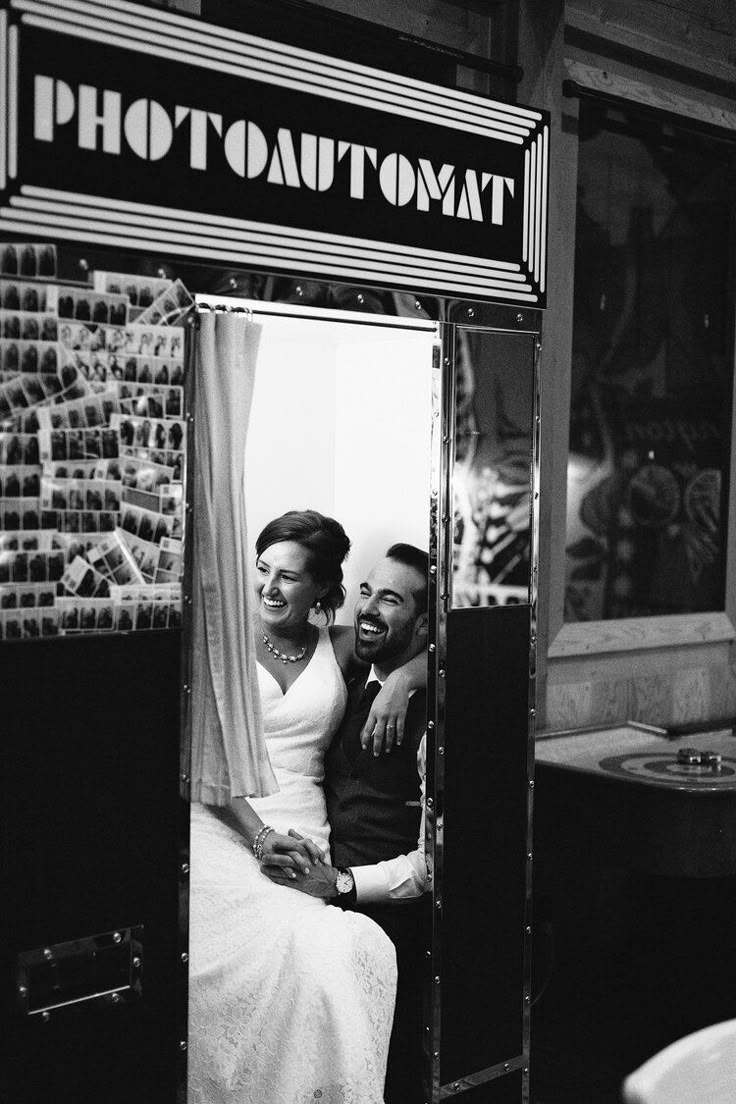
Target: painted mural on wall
651 391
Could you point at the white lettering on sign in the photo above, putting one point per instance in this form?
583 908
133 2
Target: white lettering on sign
291 160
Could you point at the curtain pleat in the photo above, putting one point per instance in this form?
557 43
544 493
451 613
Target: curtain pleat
228 750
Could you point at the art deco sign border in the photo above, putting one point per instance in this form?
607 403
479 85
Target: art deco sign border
140 129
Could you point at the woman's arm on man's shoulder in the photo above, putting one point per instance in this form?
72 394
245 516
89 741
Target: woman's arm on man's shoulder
384 725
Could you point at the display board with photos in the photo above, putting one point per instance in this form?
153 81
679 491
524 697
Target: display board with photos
92 449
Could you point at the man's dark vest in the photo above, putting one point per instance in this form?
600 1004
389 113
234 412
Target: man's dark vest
373 803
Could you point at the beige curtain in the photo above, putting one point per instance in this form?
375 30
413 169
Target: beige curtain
228 751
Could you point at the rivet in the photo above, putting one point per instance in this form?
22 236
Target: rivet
437 980
532 712
45 1016
114 998
527 1000
447 362
538 345
528 929
187 599
445 439
182 1045
533 639
184 956
48 954
531 783
441 750
299 290
436 1055
360 297
529 854
526 1071
83 264
438 903
433 569
184 778
456 1086
538 418
22 990
470 312
184 868
429 877
443 596
506 1067
117 937
136 961
427 954
445 517
430 803
536 494
519 318
417 305
190 418
441 673
432 648
430 724
233 282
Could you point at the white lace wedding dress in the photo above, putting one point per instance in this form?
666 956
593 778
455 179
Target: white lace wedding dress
290 999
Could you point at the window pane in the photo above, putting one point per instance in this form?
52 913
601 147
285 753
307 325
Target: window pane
650 409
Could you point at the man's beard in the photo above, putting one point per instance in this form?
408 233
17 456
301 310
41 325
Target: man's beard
385 647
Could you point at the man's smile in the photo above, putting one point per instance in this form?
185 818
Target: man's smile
370 628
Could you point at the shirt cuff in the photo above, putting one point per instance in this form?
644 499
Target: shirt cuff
370 884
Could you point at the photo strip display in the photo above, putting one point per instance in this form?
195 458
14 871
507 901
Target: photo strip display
93 437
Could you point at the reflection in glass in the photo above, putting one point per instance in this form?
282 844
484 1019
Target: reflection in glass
494 401
651 381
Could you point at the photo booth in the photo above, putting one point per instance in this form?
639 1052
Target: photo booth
388 238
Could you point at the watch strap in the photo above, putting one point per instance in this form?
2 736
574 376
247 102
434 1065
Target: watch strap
346 892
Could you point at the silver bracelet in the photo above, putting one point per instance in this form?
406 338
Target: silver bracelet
260 839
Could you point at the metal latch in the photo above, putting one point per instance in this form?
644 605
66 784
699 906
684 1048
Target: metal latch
105 968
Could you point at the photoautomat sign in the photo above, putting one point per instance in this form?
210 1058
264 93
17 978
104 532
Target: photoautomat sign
147 130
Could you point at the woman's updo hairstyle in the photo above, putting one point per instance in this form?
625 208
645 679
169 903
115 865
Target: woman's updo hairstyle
326 543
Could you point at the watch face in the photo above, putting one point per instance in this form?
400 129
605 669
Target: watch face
344 881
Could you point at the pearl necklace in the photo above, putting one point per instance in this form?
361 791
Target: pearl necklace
282 655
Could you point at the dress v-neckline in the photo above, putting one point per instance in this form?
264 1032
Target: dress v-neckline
301 674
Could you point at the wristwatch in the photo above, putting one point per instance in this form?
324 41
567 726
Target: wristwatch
345 886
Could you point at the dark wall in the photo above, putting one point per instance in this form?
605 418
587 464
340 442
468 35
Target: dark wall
90 835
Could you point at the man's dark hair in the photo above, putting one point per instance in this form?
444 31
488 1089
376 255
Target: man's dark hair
411 556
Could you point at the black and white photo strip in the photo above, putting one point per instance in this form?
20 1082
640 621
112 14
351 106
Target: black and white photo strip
27 391
141 291
19 481
30 357
150 433
104 615
129 340
18 326
20 514
19 448
31 567
29 623
28 259
151 300
15 295
87 305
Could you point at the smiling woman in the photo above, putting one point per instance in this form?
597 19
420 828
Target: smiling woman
356 399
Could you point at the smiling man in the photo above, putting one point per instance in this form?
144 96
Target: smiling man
374 803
